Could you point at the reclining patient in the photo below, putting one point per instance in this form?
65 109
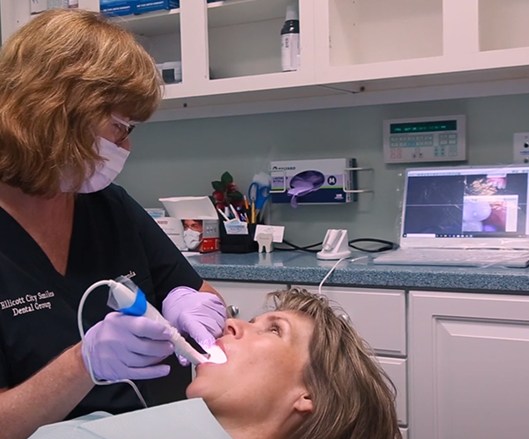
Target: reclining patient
296 371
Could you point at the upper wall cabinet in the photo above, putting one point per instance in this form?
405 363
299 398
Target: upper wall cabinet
16 13
353 52
230 51
382 45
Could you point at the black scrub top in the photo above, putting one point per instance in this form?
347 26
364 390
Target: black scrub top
112 235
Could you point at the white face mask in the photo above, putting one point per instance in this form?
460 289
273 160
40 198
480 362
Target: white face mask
191 239
106 172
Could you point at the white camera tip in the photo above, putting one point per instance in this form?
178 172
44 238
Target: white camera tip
216 355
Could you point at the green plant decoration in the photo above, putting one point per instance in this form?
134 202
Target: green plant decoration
226 192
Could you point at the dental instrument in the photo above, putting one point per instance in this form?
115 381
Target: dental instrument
126 297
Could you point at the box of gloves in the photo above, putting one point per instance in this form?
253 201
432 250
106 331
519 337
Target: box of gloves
313 181
143 6
117 7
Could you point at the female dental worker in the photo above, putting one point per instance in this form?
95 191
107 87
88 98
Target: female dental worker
71 85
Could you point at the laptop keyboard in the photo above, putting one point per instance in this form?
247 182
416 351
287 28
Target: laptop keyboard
462 258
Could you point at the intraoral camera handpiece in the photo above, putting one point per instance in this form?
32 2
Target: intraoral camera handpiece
126 297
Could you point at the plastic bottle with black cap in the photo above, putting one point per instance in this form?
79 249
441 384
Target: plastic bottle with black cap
290 47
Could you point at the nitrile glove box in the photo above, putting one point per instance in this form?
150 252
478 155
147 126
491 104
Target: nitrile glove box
331 179
143 6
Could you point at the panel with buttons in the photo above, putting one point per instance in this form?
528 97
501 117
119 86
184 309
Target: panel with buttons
425 139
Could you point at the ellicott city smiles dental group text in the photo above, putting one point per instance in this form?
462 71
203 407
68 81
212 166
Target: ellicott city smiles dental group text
27 303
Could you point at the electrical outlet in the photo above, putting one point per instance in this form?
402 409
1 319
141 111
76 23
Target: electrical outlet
521 147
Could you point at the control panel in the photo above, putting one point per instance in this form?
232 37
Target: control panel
425 139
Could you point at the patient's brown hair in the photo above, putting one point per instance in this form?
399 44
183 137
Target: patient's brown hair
352 396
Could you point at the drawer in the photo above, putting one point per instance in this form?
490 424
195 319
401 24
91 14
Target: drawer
396 370
246 298
378 315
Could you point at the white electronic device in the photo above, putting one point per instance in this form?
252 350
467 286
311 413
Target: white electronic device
425 139
335 245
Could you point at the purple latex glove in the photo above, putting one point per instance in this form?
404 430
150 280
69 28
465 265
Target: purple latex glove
200 315
127 347
302 188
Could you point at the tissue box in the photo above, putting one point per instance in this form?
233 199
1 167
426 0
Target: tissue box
174 229
210 241
333 173
197 214
143 6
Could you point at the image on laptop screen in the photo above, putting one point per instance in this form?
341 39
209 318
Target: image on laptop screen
466 207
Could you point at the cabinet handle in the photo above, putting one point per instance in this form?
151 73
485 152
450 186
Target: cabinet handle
232 310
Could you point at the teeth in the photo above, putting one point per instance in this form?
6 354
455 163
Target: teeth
216 355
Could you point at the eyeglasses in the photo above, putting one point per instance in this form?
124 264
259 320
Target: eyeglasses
122 128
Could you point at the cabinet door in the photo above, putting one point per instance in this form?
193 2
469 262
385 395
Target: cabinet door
245 300
396 370
378 315
469 356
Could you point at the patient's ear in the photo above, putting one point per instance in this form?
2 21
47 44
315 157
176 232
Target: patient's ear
304 403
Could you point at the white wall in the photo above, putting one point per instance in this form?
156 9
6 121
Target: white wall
183 157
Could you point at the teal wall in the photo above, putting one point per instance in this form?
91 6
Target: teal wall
182 157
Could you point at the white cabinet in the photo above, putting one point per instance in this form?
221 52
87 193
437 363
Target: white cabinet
230 53
352 52
469 357
397 372
379 316
371 39
15 13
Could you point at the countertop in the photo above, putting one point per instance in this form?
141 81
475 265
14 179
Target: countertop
297 267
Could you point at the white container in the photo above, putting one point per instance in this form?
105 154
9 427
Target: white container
193 208
290 46
36 6
155 212
174 229
171 72
54 4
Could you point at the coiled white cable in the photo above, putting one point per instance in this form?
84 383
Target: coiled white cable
82 334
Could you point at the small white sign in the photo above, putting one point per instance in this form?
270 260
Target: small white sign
277 232
236 227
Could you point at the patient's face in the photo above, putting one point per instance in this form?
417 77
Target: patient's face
266 357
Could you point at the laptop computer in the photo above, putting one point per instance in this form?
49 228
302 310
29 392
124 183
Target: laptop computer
464 216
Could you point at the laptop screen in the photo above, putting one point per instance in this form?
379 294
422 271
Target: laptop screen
467 207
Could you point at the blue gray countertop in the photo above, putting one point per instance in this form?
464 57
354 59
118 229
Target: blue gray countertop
297 267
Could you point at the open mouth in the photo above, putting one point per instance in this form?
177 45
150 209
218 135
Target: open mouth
217 354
